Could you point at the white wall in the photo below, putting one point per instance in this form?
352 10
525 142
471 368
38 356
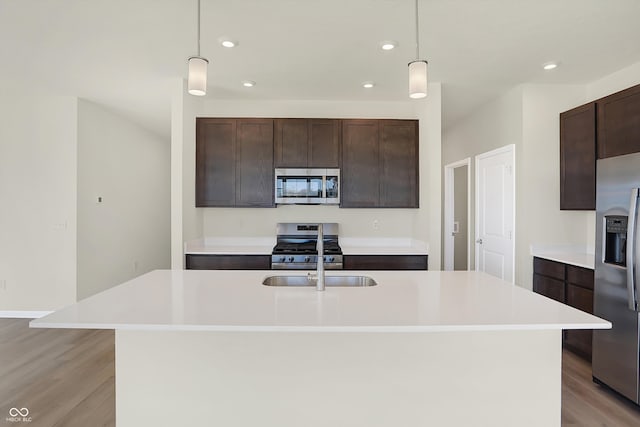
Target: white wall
128 233
38 146
527 116
423 223
186 220
538 217
495 125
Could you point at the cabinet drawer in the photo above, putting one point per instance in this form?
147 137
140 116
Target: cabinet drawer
552 288
548 268
579 276
385 262
228 262
580 298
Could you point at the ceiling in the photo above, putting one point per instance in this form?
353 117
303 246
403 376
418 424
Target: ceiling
127 55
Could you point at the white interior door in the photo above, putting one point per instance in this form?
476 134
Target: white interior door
495 212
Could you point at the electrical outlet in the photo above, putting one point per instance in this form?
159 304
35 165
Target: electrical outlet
375 224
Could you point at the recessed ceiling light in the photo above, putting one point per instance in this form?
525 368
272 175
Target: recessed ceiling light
226 42
388 45
368 85
248 83
550 65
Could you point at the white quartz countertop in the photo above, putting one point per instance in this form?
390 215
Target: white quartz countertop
577 257
230 246
264 246
403 301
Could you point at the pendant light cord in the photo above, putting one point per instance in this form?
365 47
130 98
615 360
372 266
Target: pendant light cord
198 28
417 33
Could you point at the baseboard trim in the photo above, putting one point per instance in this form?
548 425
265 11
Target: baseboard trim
18 314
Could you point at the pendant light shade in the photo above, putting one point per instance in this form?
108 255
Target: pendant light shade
198 76
197 84
417 79
417 69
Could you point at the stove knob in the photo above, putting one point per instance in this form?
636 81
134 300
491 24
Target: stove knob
282 259
307 259
331 259
290 259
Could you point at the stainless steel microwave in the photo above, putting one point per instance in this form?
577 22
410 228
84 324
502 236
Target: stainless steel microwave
307 186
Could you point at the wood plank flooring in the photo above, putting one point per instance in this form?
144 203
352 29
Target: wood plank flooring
585 404
66 379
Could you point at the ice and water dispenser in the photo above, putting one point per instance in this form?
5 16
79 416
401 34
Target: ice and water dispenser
615 241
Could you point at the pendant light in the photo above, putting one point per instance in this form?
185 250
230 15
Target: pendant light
198 69
417 69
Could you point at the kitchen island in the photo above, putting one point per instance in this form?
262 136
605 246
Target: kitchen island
419 348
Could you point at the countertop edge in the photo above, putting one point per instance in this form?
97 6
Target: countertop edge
320 329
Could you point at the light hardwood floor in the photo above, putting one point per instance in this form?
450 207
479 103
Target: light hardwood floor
66 379
585 404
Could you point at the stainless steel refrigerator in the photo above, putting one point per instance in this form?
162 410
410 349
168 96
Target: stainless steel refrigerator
616 351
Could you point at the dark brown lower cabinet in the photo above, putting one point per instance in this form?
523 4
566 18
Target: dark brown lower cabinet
569 285
228 262
385 262
549 287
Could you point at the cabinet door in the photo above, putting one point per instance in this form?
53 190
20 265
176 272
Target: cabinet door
291 143
324 143
360 162
215 162
254 162
552 288
619 123
578 158
399 164
579 340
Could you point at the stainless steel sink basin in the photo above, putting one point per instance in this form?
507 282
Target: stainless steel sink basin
349 281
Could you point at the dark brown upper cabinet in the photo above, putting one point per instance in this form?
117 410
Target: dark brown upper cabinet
215 162
619 123
399 164
301 143
379 164
234 162
578 158
360 161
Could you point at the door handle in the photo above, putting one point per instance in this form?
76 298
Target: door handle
479 241
631 251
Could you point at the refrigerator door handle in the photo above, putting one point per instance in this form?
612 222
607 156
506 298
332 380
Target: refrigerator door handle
631 251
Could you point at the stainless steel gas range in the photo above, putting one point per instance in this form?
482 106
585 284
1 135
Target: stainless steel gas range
296 247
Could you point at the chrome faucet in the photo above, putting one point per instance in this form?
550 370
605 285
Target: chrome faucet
320 262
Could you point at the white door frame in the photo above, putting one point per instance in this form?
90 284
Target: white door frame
511 148
449 212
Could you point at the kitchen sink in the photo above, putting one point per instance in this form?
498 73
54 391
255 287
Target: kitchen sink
348 281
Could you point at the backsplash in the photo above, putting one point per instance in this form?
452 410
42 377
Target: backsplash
249 222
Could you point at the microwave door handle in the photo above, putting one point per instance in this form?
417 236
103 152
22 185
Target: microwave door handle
631 251
324 187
